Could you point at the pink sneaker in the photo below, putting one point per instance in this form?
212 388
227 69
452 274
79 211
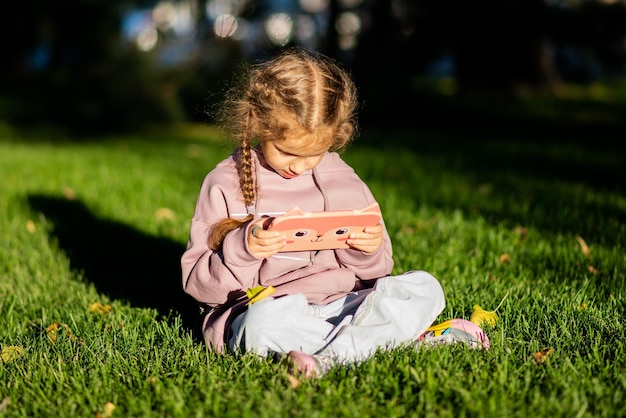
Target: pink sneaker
454 331
308 365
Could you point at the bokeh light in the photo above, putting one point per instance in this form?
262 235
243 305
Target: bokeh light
304 28
314 6
139 29
147 39
348 26
279 28
348 23
225 25
175 16
164 15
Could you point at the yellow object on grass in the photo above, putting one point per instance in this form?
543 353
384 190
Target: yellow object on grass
482 317
10 353
440 328
257 293
479 317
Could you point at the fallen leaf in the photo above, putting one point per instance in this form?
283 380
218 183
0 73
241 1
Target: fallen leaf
522 231
11 352
164 213
69 193
482 317
540 356
4 403
505 258
52 331
582 306
593 270
109 407
257 293
293 381
583 245
30 226
99 308
253 291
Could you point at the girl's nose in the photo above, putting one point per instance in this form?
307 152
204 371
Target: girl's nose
299 166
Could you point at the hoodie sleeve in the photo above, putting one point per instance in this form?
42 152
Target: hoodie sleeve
209 276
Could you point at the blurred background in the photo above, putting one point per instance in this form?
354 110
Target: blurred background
97 66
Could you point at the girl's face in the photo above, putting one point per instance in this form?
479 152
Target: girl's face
289 158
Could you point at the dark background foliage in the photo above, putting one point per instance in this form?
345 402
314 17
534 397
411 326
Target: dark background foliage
67 64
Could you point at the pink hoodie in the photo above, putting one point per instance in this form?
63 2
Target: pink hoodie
219 279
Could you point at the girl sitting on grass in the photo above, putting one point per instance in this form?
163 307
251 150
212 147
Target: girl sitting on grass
330 307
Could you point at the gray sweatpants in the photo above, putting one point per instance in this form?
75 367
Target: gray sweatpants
396 311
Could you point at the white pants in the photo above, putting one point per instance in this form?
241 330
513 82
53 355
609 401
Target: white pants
396 311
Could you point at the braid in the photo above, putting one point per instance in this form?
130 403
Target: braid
246 183
244 166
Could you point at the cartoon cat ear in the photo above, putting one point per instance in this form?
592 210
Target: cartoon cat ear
373 208
294 211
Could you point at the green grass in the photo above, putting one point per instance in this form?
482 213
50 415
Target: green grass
83 222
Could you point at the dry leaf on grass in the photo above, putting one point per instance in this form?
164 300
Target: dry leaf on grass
30 226
4 403
100 309
593 270
521 231
293 381
482 317
11 352
505 258
53 330
107 410
69 193
257 293
540 357
164 213
583 245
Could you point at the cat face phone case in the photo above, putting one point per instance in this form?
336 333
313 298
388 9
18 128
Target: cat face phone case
325 230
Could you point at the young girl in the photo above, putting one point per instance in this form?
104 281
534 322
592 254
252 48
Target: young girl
290 116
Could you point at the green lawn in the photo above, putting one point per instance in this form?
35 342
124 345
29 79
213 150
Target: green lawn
92 315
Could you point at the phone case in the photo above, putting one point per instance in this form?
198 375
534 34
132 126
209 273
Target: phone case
323 230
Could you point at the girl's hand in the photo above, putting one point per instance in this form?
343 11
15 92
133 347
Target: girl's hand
367 241
263 243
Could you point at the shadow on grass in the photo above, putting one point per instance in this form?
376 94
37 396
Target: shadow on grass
585 155
122 262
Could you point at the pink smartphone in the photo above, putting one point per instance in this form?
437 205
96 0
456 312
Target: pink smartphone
325 230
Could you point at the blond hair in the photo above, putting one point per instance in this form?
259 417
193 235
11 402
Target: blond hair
299 94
